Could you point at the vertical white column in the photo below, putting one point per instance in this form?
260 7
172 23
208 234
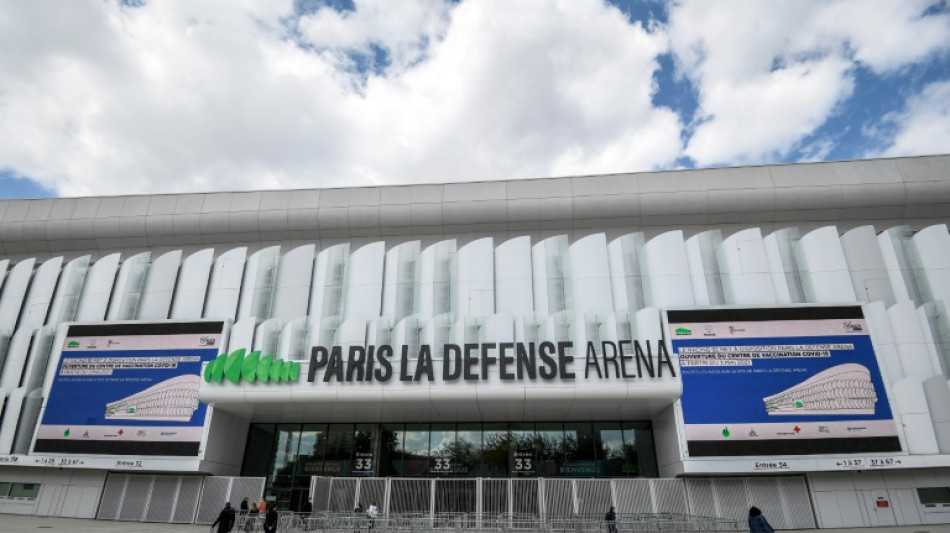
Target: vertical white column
514 293
40 294
292 286
194 277
865 261
590 275
823 268
97 289
929 252
779 249
399 280
665 268
475 286
626 281
66 299
703 267
550 271
744 267
159 287
893 243
257 290
225 286
364 282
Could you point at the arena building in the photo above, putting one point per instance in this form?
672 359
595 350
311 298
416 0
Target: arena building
692 341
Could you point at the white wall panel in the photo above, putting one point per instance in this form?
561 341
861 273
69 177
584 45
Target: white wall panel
364 282
911 404
865 261
26 425
267 336
293 340
399 280
929 252
11 417
329 281
885 346
257 290
435 279
14 291
936 315
779 250
513 287
550 270
40 294
823 268
34 371
242 334
916 360
665 270
937 393
294 276
97 289
17 355
224 289
893 243
703 267
128 287
4 265
159 288
191 287
590 271
626 281
744 269
475 285
68 291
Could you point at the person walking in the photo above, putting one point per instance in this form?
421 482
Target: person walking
225 520
252 515
610 517
244 505
270 520
758 523
372 512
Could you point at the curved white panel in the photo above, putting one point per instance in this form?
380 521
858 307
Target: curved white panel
884 344
294 275
475 287
14 290
435 279
399 280
40 294
590 272
513 288
779 246
66 299
128 287
257 290
34 372
97 289
225 286
329 281
626 281
191 286
703 268
550 267
744 268
911 403
822 267
911 346
4 264
937 392
665 270
293 340
267 336
865 262
17 355
893 243
29 415
242 334
364 282
929 252
11 417
56 349
159 287
351 333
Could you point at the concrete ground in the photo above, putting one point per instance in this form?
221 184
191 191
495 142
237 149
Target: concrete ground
10 523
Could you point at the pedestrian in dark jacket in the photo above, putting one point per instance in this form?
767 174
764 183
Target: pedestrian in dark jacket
758 523
611 518
270 520
244 506
225 520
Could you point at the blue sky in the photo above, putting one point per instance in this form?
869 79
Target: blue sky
144 96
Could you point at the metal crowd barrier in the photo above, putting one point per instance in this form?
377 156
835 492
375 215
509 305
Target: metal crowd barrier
334 522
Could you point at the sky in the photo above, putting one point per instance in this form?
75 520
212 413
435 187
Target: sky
109 97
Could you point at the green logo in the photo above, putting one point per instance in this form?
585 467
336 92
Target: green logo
725 432
252 367
73 344
66 433
684 331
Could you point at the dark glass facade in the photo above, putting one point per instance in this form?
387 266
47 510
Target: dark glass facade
289 454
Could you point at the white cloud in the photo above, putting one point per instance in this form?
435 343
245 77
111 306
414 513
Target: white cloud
768 74
184 95
923 126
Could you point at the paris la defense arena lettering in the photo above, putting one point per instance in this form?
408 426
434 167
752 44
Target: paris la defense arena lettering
473 362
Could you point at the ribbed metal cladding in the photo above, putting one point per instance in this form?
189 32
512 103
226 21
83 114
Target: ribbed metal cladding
798 510
343 494
161 504
669 496
320 492
410 496
213 495
136 498
494 496
558 498
593 496
731 499
112 497
246 487
525 498
455 496
633 496
373 490
701 500
187 503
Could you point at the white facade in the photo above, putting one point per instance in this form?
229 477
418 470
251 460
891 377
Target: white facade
581 259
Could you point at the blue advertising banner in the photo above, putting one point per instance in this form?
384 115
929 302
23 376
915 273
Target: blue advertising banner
792 381
129 389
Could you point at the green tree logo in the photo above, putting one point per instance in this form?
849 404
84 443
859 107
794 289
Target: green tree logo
252 367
